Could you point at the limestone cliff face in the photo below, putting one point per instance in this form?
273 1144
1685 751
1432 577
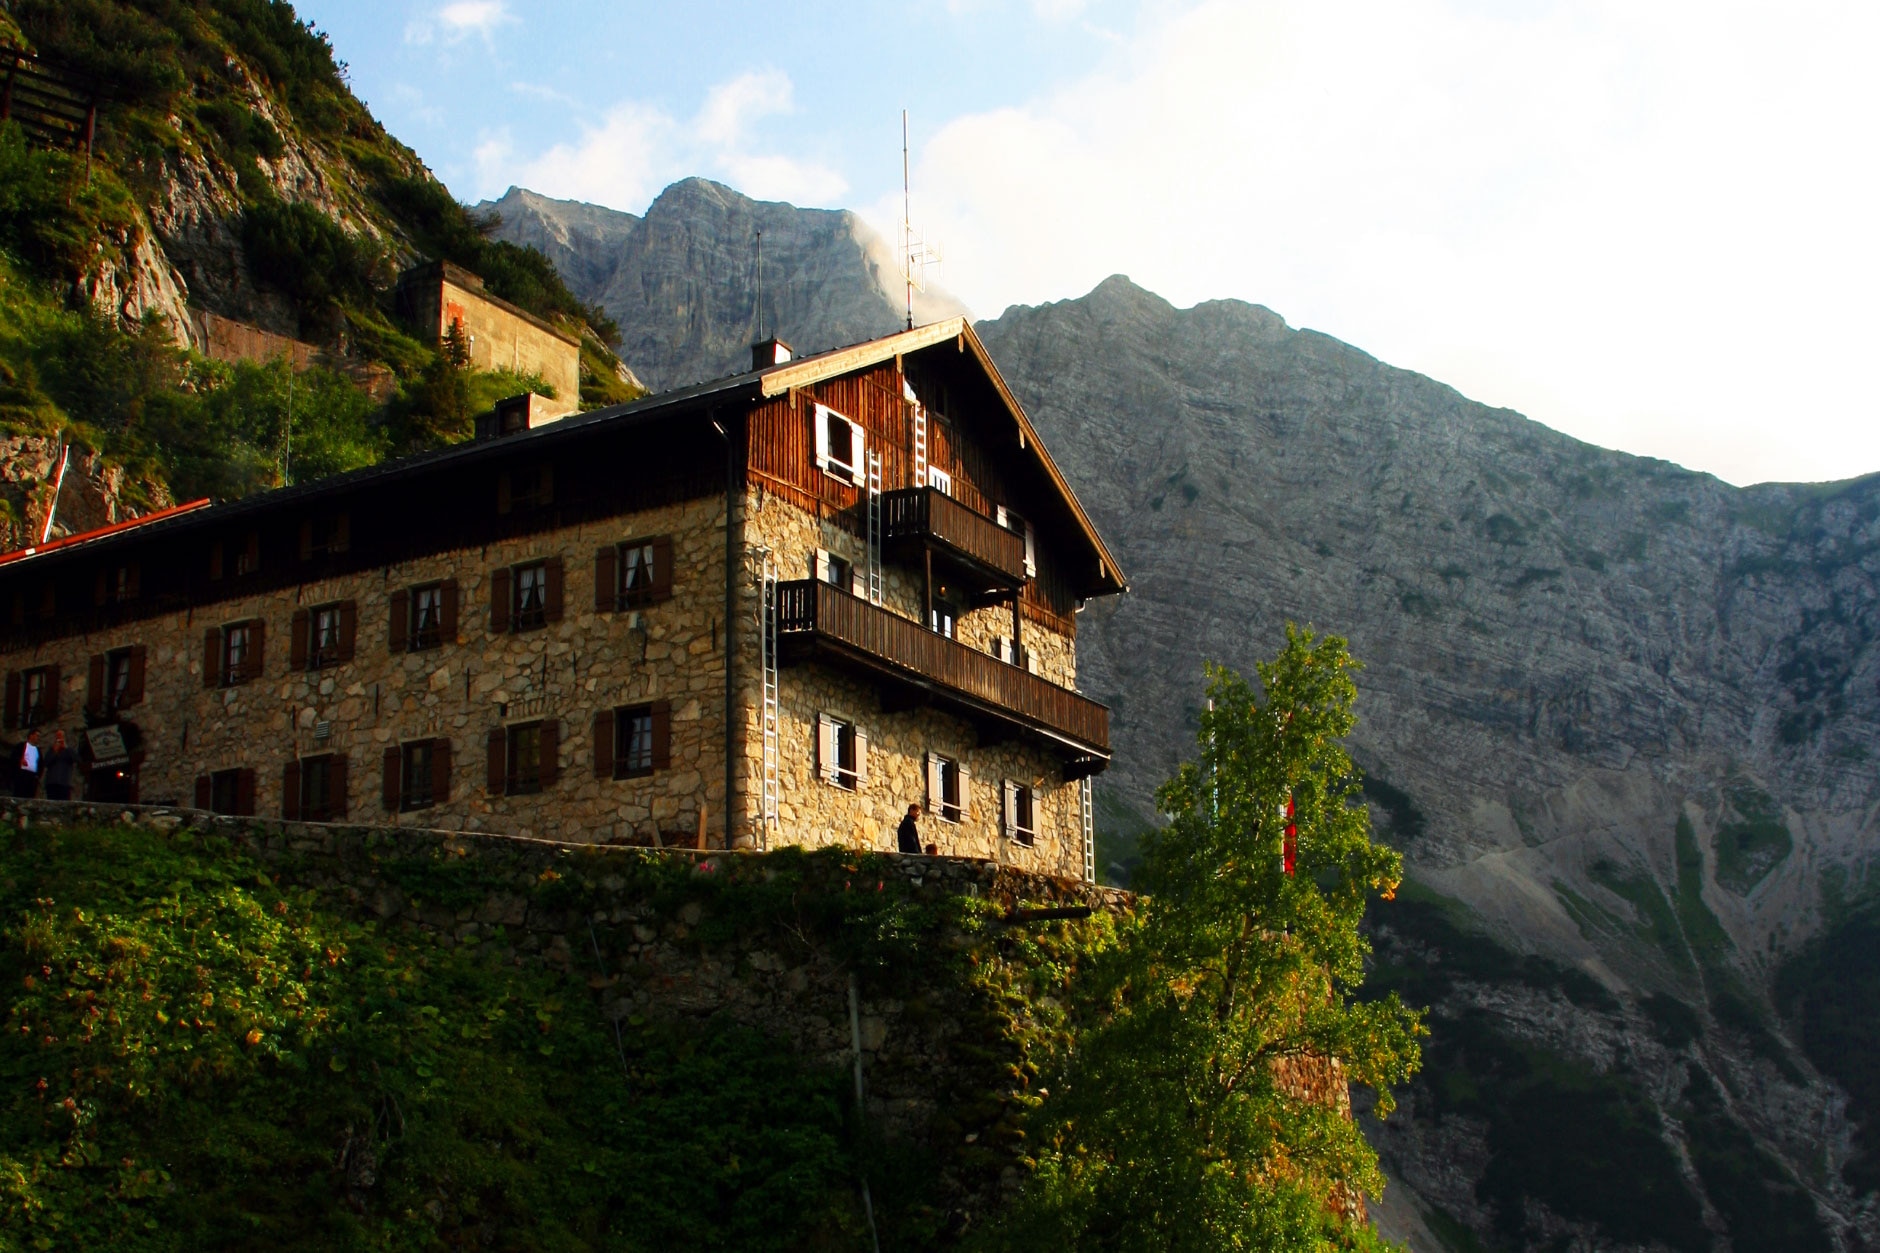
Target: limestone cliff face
683 281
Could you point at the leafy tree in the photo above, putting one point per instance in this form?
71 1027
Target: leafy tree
1204 1106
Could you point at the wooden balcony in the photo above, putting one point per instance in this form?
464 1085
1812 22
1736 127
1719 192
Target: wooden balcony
913 517
816 618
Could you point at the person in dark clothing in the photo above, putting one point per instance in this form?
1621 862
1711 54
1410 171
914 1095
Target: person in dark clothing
61 765
26 768
909 833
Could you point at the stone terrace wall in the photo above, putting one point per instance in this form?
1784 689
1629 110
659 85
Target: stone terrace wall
945 1064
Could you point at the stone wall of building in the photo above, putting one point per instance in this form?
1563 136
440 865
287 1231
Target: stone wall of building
814 812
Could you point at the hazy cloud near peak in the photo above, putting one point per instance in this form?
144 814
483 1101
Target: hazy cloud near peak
459 20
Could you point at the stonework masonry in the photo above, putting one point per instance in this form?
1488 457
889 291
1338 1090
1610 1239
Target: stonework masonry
498 335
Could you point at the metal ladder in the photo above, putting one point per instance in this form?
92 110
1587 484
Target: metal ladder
920 444
767 649
1090 832
874 528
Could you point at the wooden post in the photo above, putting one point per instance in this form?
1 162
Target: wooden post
1018 629
928 594
703 810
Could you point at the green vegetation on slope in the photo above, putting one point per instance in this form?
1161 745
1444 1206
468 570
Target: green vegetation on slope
197 1058
1831 990
1752 845
231 87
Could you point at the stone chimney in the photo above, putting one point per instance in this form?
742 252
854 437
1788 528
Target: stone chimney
769 352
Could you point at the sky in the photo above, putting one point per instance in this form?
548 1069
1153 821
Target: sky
1650 225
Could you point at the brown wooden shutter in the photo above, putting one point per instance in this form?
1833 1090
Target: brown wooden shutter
401 620
204 792
498 776
505 500
447 615
604 744
134 689
394 776
212 657
545 485
306 539
290 791
662 567
13 699
499 601
551 752
336 786
94 686
297 641
348 628
257 643
215 560
440 771
254 551
551 610
133 581
662 734
342 533
606 578
51 709
100 591
245 793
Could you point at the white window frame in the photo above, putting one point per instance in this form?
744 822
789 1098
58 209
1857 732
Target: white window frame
1013 654
961 810
1009 807
832 731
939 480
1013 522
828 460
827 567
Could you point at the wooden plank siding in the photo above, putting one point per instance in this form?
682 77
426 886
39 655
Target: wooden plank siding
782 459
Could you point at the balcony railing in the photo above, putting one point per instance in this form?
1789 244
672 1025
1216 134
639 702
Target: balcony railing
828 619
928 515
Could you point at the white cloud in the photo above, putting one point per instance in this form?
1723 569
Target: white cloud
636 149
1648 225
459 20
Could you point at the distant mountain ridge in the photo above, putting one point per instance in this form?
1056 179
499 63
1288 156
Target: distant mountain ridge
683 283
1623 718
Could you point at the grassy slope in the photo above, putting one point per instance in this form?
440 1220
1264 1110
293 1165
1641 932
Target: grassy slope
178 420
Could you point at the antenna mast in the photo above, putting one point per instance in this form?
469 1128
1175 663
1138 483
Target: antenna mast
907 223
916 256
759 311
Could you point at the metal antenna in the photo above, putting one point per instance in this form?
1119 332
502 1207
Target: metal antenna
907 224
760 286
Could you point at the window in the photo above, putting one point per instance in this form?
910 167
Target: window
633 741
939 480
229 792
32 696
527 487
417 775
313 789
527 596
531 609
949 788
1012 653
115 681
633 574
841 752
424 616
840 445
415 790
241 556
232 654
324 536
1020 813
117 585
323 636
944 618
524 758
1012 522
826 567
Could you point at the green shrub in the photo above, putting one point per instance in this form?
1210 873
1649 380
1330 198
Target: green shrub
308 257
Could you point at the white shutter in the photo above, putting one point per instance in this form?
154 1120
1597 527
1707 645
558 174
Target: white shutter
1008 809
966 793
819 566
858 584
858 459
827 756
822 437
861 759
1001 518
1031 661
1001 647
1031 552
934 793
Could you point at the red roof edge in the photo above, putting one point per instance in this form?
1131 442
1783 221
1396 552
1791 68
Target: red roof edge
21 554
